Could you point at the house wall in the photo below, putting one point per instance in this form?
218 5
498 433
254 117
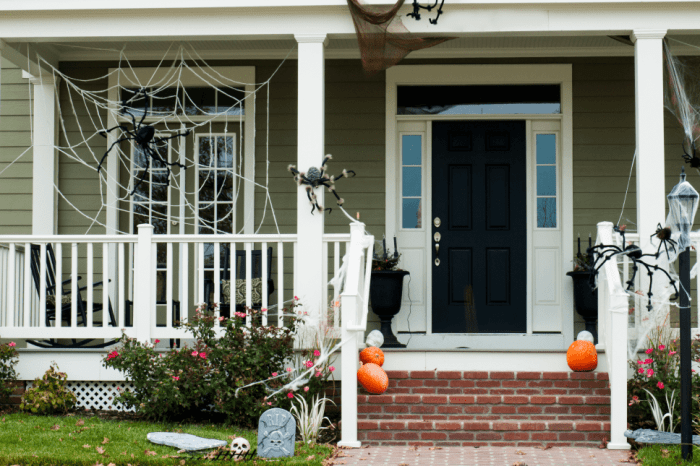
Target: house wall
603 123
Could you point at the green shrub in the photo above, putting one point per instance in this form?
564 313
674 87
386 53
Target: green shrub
658 372
182 382
49 394
8 359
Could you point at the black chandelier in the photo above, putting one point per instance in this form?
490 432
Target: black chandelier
417 7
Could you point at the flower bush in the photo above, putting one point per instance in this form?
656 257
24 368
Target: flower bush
49 395
8 359
658 372
182 382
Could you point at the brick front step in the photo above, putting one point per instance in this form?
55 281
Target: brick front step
487 408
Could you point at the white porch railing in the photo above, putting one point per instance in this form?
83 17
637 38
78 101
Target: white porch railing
143 289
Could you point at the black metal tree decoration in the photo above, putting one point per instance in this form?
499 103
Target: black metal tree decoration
682 206
417 7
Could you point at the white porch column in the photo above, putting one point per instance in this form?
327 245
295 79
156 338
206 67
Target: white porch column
45 161
308 260
649 98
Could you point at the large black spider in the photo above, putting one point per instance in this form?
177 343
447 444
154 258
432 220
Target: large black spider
692 159
316 177
144 137
634 252
417 7
664 236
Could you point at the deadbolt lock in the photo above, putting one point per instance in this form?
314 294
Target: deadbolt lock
437 222
437 236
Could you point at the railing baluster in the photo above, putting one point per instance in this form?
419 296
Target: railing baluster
121 286
58 276
184 284
105 283
336 292
153 295
200 273
264 282
280 283
90 297
169 285
10 306
216 278
28 287
248 282
323 313
42 285
74 287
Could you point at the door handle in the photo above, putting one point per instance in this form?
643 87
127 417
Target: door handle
437 237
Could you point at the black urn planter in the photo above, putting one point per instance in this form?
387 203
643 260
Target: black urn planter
385 291
586 300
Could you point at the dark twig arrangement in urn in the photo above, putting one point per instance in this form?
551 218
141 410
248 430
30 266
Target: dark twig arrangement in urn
385 292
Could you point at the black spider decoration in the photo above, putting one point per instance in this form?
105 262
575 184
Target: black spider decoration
417 7
664 236
693 159
144 136
316 177
606 252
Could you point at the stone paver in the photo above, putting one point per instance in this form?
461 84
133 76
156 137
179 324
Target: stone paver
482 456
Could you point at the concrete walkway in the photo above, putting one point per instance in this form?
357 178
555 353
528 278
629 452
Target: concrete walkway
483 456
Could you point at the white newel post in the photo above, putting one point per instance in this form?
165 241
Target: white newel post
45 161
143 283
612 311
350 302
308 260
649 105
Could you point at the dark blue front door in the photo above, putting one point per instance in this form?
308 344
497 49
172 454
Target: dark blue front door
479 282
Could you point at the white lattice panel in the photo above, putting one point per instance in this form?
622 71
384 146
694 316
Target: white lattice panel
98 395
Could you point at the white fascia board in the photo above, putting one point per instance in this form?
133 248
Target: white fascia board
258 23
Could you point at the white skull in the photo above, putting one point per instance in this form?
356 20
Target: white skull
239 447
375 338
584 335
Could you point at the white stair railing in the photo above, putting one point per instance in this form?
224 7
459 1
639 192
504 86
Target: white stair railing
613 309
354 310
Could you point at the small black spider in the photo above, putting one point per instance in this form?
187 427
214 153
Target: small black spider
316 177
144 136
693 159
664 236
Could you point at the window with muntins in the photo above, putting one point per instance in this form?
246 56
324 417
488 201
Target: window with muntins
546 173
411 181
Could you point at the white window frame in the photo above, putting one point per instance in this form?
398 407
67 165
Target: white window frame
557 171
422 178
234 175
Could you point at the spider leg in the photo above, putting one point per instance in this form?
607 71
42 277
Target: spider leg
146 104
125 138
343 175
186 133
143 175
103 132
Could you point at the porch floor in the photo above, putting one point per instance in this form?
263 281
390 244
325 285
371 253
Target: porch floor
482 456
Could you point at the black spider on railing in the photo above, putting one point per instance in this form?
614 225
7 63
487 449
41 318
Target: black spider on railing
691 158
417 7
144 137
606 252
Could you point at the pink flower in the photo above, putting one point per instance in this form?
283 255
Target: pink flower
222 318
269 403
641 370
662 347
331 368
671 353
263 310
290 395
175 377
296 298
640 362
12 344
157 341
648 361
112 355
274 374
660 385
649 351
309 364
635 398
650 372
289 369
318 374
317 353
203 355
195 353
306 389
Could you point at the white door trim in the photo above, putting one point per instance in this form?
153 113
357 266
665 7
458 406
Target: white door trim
560 74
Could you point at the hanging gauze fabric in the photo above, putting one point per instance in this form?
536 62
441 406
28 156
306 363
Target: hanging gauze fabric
383 39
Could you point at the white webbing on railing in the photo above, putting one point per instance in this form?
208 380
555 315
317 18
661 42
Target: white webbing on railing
613 308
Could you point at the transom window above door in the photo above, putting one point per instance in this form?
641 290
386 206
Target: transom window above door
479 99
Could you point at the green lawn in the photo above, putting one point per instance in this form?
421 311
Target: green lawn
666 455
85 440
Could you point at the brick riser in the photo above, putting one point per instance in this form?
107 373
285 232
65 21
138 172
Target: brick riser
487 408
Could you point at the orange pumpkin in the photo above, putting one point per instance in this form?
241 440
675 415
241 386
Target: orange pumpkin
372 354
373 378
582 356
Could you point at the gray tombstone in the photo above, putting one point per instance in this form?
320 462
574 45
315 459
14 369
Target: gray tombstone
277 431
654 436
187 442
